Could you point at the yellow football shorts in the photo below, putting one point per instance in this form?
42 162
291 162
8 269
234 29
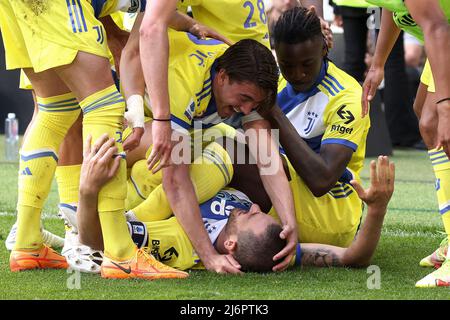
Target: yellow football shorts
427 77
44 34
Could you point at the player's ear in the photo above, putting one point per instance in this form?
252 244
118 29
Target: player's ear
230 245
221 76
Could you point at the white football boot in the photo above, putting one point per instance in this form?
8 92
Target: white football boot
79 257
50 239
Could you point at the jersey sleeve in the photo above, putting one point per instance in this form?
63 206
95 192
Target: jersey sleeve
344 124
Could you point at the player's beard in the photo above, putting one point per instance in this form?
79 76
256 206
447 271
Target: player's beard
231 226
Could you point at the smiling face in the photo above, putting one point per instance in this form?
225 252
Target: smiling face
300 63
235 96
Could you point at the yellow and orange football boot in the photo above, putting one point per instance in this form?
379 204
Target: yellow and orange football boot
142 265
43 258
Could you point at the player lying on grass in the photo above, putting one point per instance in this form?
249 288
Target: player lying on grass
209 82
321 131
235 225
323 136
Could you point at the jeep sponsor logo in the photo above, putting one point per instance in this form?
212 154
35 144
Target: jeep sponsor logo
341 129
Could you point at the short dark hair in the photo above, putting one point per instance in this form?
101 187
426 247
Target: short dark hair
250 61
255 253
297 25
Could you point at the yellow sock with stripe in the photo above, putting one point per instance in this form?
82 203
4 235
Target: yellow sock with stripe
68 181
38 160
209 173
103 113
441 168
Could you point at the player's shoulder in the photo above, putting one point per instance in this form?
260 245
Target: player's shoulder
337 83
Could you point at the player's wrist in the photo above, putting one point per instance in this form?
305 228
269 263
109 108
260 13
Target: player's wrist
376 209
89 191
443 103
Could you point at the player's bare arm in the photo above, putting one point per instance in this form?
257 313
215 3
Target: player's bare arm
117 39
276 185
360 252
319 171
154 53
183 201
100 164
387 37
183 22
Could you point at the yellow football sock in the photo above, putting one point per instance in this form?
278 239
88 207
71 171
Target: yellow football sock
140 184
209 174
103 113
38 159
68 180
441 167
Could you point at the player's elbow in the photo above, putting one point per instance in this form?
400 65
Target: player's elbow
356 261
320 187
130 51
150 30
437 29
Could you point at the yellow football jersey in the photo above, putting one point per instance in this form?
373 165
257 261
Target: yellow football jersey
332 219
329 113
235 19
190 80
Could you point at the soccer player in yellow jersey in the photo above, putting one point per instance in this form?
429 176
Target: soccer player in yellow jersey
236 227
208 82
321 130
60 46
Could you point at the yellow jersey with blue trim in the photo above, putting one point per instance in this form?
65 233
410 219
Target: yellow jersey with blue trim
192 64
235 19
329 113
168 236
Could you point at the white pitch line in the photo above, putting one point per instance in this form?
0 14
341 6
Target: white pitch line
45 215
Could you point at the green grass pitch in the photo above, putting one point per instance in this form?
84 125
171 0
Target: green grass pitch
411 231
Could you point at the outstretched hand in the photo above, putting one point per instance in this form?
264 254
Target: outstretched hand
382 176
202 32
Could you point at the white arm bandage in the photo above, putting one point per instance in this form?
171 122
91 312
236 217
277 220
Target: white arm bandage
135 113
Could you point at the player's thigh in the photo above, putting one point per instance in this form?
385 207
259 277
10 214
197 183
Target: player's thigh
87 74
46 83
